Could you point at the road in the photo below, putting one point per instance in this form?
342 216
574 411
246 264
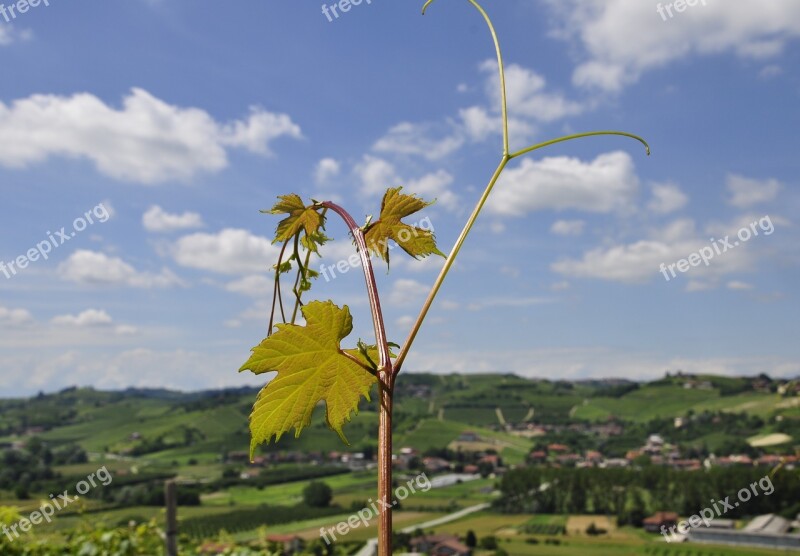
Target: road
371 548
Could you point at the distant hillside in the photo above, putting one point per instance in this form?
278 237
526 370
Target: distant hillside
433 411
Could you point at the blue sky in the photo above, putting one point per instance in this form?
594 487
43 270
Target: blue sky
176 122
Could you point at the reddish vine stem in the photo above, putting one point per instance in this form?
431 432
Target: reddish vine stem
372 286
386 384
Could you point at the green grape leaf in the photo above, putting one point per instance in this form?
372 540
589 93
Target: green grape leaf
311 367
415 241
300 217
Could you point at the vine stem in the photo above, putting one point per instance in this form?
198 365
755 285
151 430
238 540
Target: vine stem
451 258
385 382
506 158
500 66
579 136
398 364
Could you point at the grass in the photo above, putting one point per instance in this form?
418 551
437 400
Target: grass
346 488
646 403
310 529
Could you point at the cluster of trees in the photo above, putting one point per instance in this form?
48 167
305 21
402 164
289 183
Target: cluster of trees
17 416
27 469
616 390
151 494
632 495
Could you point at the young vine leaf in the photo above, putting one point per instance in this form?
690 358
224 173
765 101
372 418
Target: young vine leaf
311 367
413 240
300 217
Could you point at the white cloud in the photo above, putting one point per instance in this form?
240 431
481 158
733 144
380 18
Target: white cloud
528 102
430 265
512 271
255 285
694 286
449 305
93 318
746 192
478 124
231 251
435 186
606 184
138 368
419 140
377 175
326 169
89 317
636 262
95 268
157 219
146 141
568 227
405 322
257 132
6 35
667 197
560 286
738 285
14 317
577 362
770 71
623 39
10 35
640 261
525 91
405 291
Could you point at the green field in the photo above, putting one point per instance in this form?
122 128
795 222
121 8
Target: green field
188 436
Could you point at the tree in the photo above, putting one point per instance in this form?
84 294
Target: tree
485 469
317 495
21 492
471 540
